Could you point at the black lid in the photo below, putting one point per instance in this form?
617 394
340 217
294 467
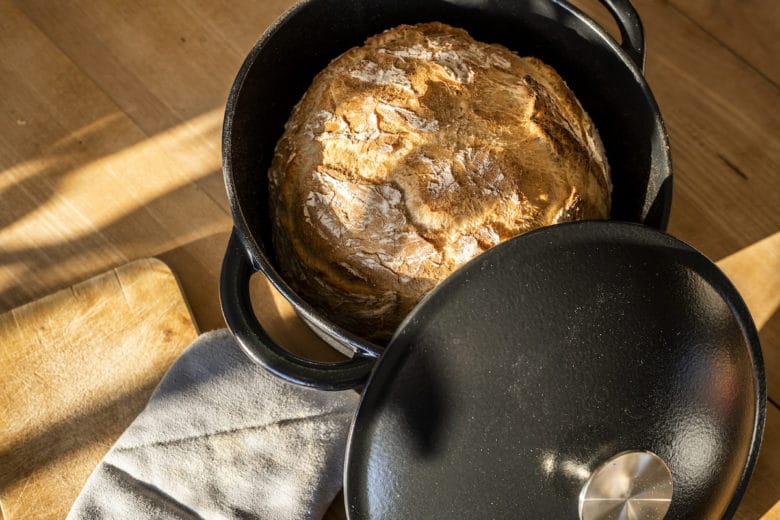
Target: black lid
548 355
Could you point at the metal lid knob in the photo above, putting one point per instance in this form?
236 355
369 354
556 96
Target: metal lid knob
635 485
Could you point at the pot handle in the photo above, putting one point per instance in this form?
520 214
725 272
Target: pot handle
258 345
632 34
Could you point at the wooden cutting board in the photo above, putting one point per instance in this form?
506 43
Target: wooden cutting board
77 367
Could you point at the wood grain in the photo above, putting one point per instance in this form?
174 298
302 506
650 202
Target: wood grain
83 362
110 149
762 497
725 148
748 28
754 272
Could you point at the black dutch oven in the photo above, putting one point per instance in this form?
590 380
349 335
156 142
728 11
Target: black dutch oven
590 370
605 76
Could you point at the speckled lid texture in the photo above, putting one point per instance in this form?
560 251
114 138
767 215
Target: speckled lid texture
545 357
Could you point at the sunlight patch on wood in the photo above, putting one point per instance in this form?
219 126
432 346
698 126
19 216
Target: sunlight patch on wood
753 271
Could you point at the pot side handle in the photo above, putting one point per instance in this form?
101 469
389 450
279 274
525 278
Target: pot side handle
258 345
632 34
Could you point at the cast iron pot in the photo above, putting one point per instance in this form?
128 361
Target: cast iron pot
587 370
605 76
591 370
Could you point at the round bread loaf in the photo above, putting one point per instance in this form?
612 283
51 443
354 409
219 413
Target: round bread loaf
414 153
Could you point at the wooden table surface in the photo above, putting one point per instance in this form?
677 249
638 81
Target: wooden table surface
110 119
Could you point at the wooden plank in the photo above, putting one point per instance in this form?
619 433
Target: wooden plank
755 272
162 63
749 28
79 365
772 514
762 497
90 189
725 149
49 101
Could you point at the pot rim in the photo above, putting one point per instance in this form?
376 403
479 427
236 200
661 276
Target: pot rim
260 260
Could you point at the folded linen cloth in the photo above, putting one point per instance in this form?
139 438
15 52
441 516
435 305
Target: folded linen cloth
222 438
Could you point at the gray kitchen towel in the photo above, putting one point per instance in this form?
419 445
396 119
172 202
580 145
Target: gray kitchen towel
222 438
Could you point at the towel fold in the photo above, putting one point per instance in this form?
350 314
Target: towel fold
222 438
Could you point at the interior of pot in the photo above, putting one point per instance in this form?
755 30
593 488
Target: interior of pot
283 63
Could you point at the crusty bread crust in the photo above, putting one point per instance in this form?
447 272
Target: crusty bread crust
412 154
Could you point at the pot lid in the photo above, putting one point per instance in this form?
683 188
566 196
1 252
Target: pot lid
590 370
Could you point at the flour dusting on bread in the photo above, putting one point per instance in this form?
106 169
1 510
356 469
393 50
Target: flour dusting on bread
412 154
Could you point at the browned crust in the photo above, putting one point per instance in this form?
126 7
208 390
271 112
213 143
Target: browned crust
414 153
